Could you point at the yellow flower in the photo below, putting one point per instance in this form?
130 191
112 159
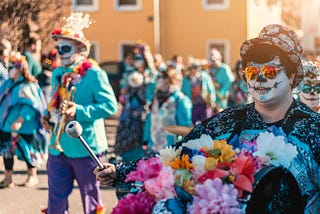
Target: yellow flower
210 163
66 31
227 154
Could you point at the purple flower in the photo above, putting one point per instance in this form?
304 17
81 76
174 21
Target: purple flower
215 197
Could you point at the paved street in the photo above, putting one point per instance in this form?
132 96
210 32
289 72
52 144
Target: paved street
31 200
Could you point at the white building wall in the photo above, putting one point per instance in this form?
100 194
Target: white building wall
260 15
310 23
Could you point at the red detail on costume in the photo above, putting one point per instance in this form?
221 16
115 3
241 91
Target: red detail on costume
56 31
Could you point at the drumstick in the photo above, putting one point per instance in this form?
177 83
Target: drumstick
74 130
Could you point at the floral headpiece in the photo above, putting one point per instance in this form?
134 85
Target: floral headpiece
17 60
73 29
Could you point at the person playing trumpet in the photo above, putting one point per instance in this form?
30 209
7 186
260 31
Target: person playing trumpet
92 102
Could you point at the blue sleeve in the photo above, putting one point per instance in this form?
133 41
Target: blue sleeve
225 80
184 111
105 103
27 112
146 129
186 87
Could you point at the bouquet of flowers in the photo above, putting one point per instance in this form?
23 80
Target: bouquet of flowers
204 175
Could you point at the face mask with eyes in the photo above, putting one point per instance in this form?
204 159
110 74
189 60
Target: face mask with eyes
265 87
68 51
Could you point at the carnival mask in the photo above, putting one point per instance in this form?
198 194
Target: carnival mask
67 50
267 81
310 93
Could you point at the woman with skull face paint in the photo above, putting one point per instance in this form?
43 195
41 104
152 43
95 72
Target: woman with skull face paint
21 106
310 87
272 68
92 102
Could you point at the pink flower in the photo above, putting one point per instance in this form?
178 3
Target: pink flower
86 65
243 170
162 186
140 203
146 169
215 197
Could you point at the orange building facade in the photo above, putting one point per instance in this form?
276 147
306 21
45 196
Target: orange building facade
170 27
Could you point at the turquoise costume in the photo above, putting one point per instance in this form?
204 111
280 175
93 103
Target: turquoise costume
95 100
174 111
25 100
34 66
223 76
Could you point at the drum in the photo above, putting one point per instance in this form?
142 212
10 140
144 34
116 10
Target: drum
275 190
178 130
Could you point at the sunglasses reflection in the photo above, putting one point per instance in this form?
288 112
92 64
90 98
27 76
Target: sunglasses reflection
269 71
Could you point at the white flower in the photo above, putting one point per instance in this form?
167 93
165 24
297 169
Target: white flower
275 147
197 144
168 154
199 163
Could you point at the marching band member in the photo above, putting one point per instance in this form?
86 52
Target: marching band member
93 100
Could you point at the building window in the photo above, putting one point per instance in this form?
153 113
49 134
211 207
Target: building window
223 46
126 47
128 5
215 4
94 51
85 5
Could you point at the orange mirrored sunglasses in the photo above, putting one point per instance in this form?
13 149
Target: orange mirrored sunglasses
269 71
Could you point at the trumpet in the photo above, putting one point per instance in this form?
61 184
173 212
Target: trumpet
60 125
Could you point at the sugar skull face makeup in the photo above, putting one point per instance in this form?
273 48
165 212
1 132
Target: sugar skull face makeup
67 50
267 81
310 92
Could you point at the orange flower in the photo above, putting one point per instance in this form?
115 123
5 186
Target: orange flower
182 163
